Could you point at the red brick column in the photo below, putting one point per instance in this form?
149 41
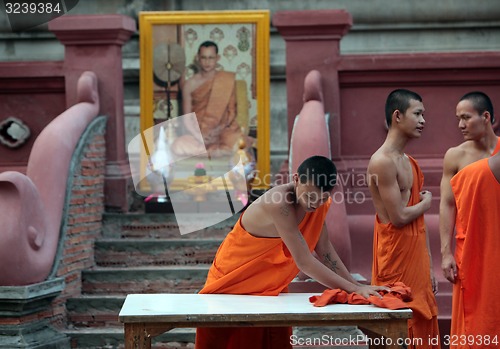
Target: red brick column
83 221
94 42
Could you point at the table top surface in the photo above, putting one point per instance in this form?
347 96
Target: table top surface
218 307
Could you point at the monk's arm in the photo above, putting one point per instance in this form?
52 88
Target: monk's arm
428 244
433 278
285 223
330 258
231 107
385 173
447 215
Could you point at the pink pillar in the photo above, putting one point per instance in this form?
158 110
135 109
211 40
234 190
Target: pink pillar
312 42
94 42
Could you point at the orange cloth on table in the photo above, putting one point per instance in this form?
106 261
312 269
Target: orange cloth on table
477 197
245 264
394 299
214 103
401 255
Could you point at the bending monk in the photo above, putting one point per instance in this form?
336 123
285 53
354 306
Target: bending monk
400 243
475 118
272 240
211 95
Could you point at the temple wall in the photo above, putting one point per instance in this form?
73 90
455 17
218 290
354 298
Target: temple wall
381 26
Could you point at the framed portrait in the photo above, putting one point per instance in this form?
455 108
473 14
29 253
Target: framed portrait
213 65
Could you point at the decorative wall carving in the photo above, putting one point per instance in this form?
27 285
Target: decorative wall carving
13 132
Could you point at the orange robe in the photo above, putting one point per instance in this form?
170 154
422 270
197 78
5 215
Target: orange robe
394 299
401 255
214 103
475 308
245 264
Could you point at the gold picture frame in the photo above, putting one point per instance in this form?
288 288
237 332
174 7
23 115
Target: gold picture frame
243 40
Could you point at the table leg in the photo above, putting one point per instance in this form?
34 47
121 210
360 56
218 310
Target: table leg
398 332
136 336
139 335
386 334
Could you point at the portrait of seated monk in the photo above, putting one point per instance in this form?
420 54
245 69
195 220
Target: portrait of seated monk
211 95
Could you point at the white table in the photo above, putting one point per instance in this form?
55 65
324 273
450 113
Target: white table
148 315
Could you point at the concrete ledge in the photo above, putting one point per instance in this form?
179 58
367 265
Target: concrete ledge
35 335
17 301
17 327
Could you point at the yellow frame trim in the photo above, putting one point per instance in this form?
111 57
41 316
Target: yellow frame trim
261 20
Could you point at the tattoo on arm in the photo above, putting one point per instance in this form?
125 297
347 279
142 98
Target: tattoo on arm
285 211
330 263
301 238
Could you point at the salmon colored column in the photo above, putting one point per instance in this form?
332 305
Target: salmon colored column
312 40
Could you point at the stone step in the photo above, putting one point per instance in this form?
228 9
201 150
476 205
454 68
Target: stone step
164 279
113 338
154 252
92 311
159 226
180 338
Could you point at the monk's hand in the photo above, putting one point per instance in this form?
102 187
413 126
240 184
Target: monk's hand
367 291
449 267
426 197
434 283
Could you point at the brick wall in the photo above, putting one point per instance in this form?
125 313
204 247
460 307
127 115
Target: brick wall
83 223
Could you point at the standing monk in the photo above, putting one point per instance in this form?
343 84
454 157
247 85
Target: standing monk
477 195
272 240
211 95
400 244
475 118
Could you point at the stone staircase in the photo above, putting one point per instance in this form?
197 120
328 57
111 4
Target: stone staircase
139 253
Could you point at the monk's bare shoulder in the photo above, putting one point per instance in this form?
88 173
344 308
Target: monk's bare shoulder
463 147
457 157
454 153
380 162
275 199
192 83
261 217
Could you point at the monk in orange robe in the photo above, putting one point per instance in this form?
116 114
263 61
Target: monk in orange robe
211 94
272 240
475 313
400 243
475 117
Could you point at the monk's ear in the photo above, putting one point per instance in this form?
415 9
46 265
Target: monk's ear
295 178
496 123
218 57
396 116
487 116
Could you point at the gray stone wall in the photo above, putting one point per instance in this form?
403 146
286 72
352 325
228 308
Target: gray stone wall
380 26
